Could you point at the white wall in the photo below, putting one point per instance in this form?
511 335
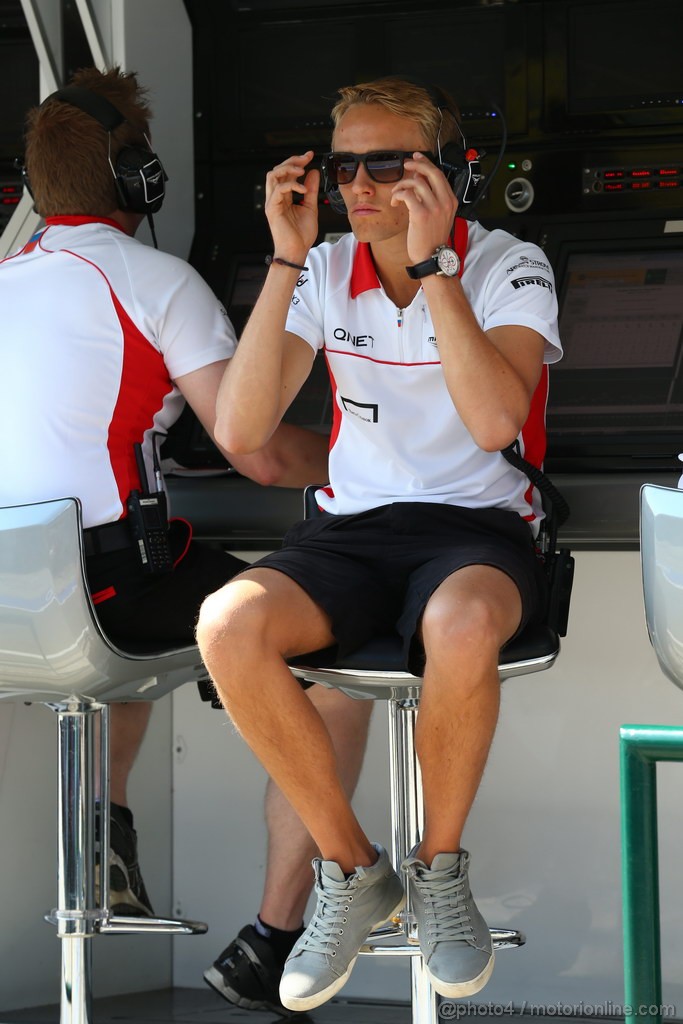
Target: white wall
154 38
544 831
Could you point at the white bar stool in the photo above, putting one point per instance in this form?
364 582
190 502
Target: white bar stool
53 651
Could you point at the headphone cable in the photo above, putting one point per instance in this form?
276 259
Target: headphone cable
499 158
150 221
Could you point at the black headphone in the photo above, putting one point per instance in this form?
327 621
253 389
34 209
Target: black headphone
459 162
139 176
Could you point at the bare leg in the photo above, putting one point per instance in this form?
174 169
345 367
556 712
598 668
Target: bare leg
245 632
290 848
127 727
466 622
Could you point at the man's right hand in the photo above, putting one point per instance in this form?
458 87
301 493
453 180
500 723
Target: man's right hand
294 226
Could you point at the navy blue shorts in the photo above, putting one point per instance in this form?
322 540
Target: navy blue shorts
374 572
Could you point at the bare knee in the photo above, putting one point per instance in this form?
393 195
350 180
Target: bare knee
258 619
230 624
467 630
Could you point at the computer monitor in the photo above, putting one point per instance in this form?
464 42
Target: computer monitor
616 398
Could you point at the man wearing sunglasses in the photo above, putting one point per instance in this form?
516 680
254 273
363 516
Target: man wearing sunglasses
436 332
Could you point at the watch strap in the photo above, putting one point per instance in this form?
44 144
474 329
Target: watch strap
423 269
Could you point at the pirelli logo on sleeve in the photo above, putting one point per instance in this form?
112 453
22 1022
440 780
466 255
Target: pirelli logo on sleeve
523 282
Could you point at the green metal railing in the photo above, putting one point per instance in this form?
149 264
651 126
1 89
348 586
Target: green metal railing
641 747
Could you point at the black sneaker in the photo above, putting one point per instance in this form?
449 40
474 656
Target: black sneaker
247 973
127 893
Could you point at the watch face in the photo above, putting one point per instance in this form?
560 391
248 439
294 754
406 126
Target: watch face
449 261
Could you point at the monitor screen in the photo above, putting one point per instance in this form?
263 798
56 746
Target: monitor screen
446 49
287 102
259 96
612 64
644 69
619 387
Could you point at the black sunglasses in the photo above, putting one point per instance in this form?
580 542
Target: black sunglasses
383 166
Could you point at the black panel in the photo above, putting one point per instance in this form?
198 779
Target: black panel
76 51
613 64
19 85
479 55
269 75
19 89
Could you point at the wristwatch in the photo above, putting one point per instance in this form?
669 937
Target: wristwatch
445 261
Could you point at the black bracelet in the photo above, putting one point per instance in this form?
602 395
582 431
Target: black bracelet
284 263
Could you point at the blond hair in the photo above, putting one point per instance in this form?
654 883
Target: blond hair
410 100
67 150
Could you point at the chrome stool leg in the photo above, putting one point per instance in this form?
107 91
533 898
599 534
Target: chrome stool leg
407 813
407 819
76 916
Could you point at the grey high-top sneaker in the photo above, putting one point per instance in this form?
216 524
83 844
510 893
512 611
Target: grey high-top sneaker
347 910
454 937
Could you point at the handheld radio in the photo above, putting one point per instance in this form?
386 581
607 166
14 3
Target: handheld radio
148 520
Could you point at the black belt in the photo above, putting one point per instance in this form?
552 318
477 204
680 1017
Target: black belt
103 540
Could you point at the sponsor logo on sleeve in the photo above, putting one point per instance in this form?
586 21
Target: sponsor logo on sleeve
522 282
529 265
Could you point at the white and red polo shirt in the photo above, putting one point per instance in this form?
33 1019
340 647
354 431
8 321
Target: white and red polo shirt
396 433
95 329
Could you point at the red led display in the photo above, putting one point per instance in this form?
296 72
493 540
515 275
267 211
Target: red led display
669 172
614 187
668 184
613 174
641 173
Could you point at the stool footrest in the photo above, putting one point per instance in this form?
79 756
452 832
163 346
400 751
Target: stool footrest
381 941
388 948
506 938
115 925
